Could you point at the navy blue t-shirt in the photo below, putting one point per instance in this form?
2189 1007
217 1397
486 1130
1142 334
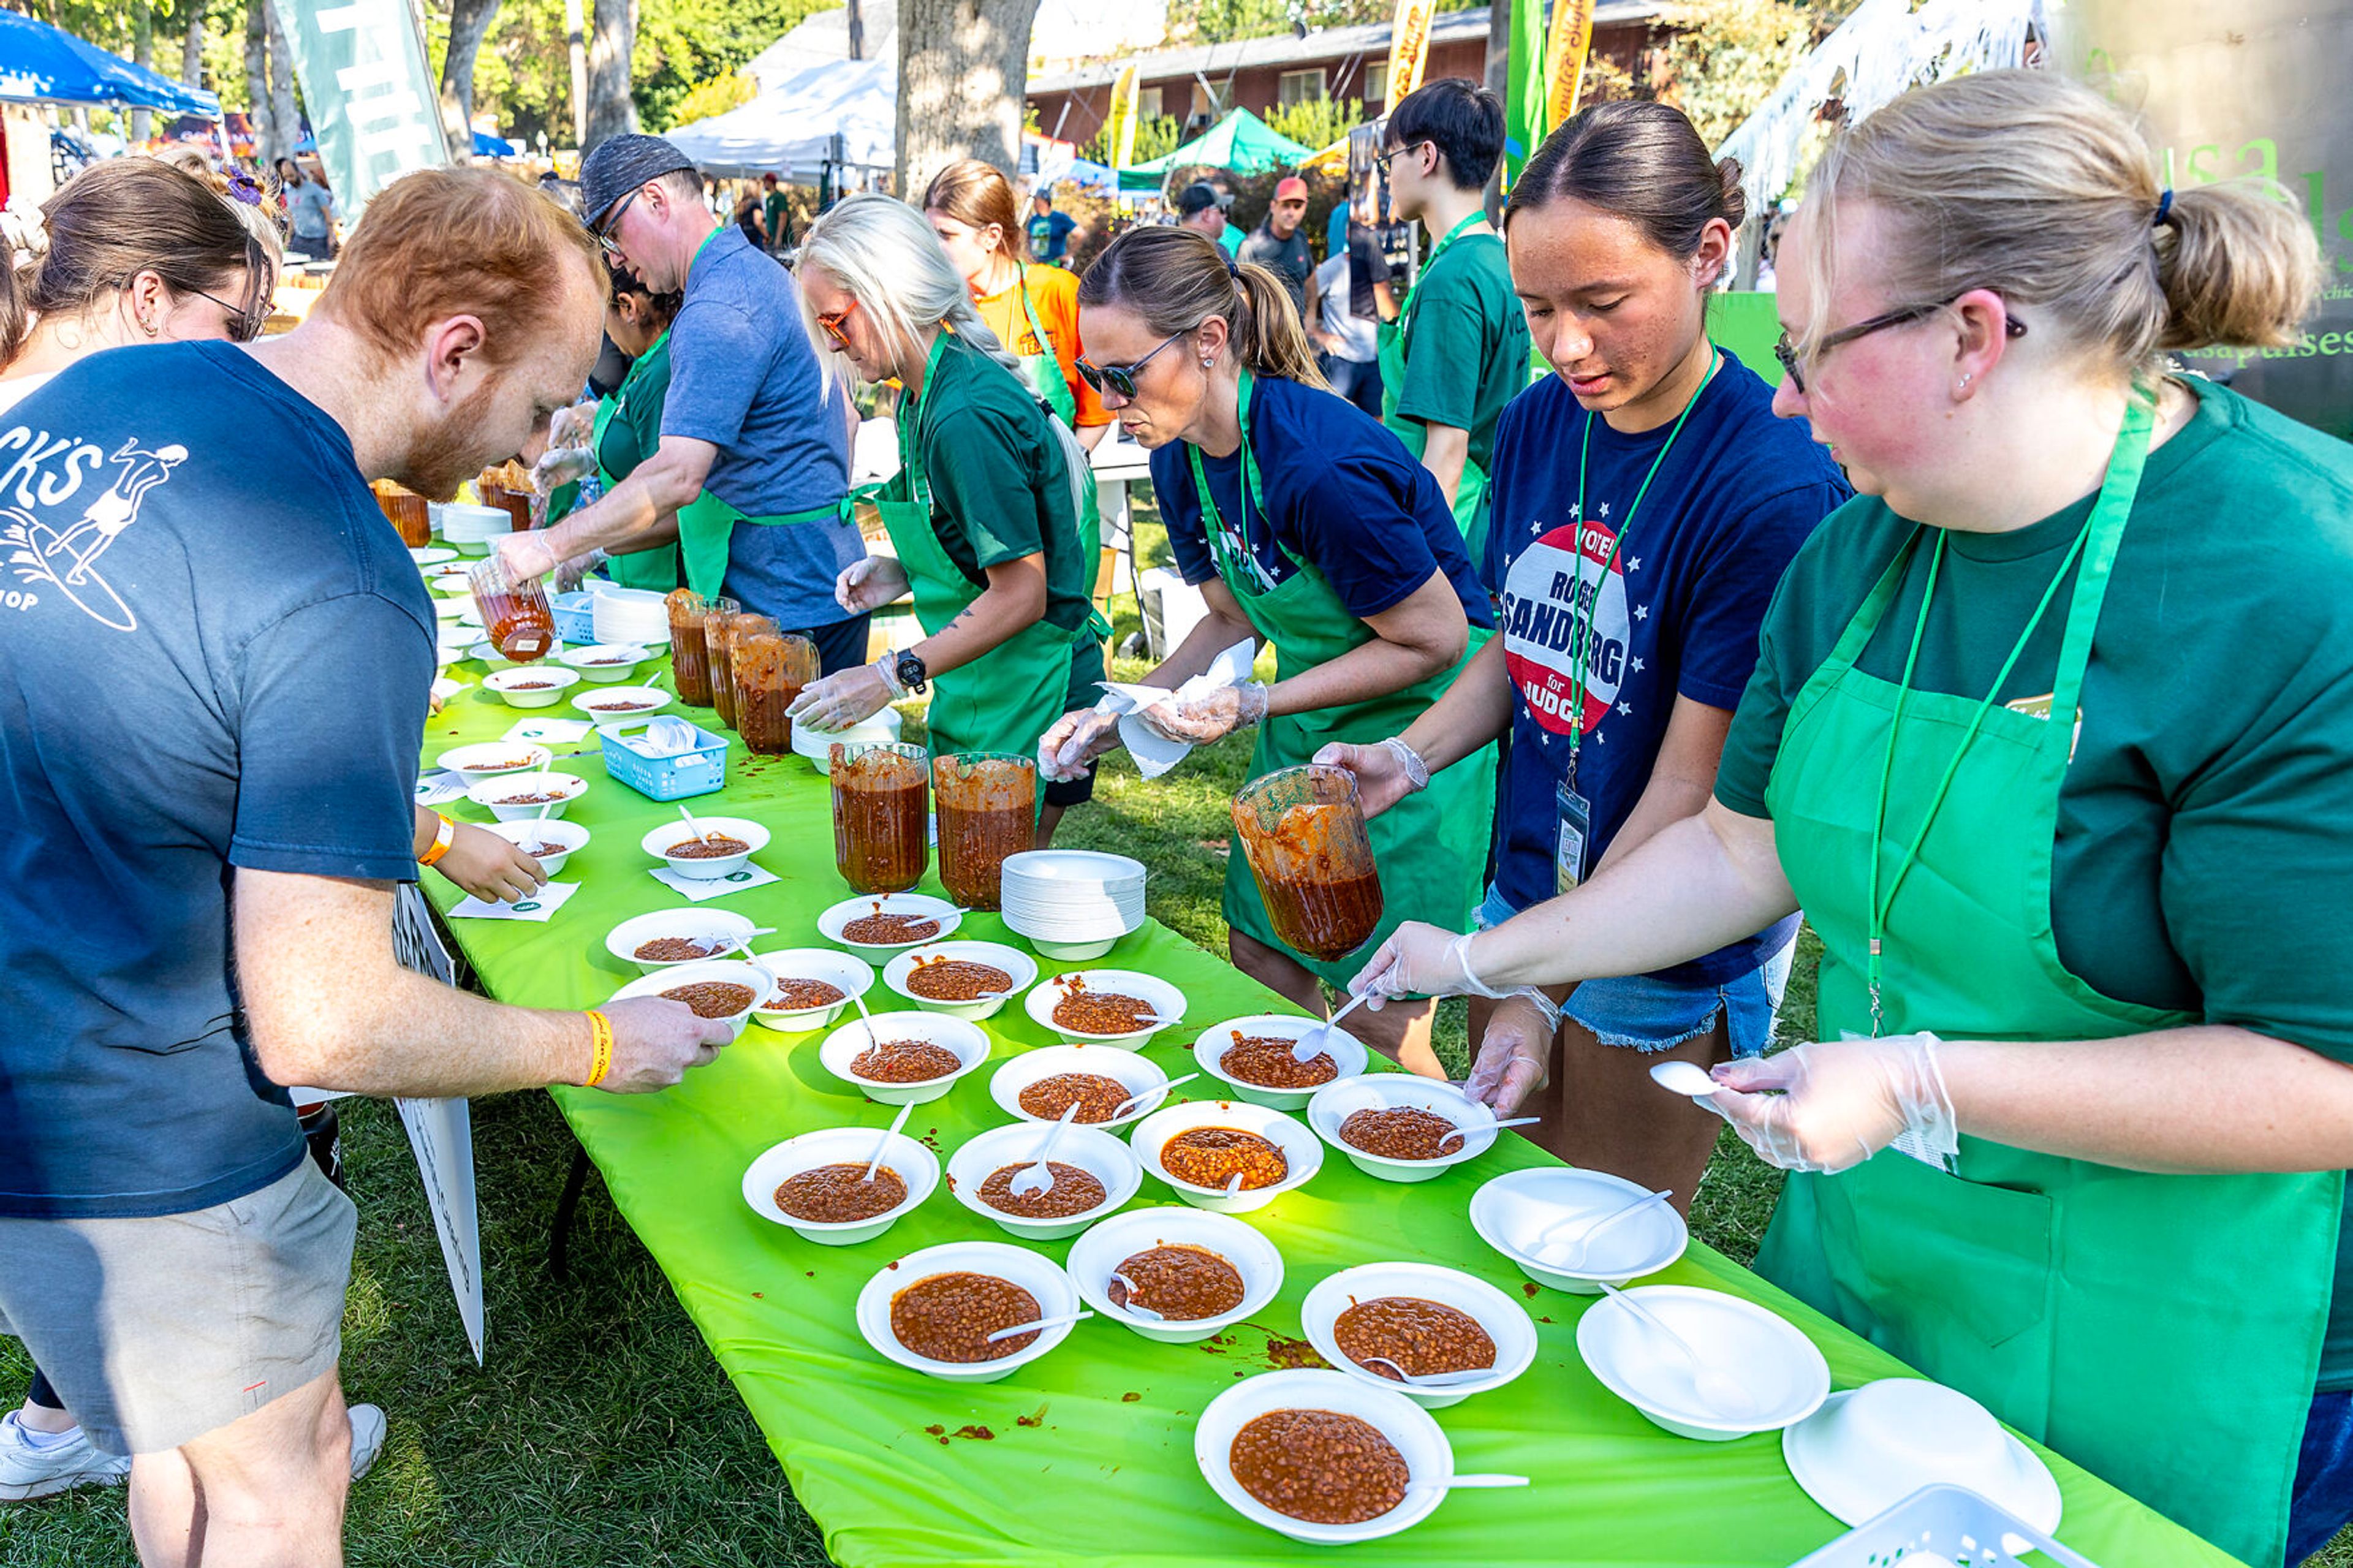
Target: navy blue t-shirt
1342 494
214 654
744 377
1677 615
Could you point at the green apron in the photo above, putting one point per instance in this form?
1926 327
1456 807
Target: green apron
2164 1332
619 447
1431 848
1005 699
1390 339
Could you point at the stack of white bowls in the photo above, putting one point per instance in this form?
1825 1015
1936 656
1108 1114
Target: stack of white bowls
1072 904
630 616
472 529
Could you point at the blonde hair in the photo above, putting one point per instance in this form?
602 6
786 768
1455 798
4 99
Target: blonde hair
2043 190
1175 278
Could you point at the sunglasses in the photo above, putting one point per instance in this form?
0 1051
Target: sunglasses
608 236
1787 355
244 324
1121 378
832 323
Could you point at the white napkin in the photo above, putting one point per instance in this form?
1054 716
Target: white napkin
548 731
696 890
538 907
1154 753
438 787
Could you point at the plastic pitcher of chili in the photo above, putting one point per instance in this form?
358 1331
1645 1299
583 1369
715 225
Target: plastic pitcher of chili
515 615
881 795
1303 832
689 654
767 671
988 809
721 633
406 510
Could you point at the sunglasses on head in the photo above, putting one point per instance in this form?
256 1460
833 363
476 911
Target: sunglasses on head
1792 366
1120 378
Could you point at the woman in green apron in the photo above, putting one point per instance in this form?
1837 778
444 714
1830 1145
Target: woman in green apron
1646 474
2067 795
983 511
1307 526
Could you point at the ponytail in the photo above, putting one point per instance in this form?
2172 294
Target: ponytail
2238 265
1175 278
16 315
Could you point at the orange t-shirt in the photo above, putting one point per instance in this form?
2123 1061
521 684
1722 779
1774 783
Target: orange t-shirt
1055 295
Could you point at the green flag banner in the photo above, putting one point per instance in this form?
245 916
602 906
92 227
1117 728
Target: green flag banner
370 100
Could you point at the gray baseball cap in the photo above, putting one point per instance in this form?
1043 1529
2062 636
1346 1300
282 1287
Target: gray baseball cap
620 164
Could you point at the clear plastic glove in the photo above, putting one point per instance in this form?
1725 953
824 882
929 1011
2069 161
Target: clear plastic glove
1209 718
1072 742
1420 960
1514 1057
526 556
1386 772
572 427
571 572
560 466
489 867
870 585
837 701
1841 1102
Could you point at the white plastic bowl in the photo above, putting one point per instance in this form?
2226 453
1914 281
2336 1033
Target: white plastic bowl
493 760
1098 1153
649 699
816 745
1018 965
1337 1100
497 792
831 922
730 970
508 684
1016 1265
1095 1256
455 587
916 1165
1512 1210
1777 1366
703 925
525 832
490 658
845 1045
1300 1152
1428 1459
849 975
658 842
1348 1054
1164 998
450 608
1138 1075
606 664
1868 1449
1505 1322
430 556
1072 952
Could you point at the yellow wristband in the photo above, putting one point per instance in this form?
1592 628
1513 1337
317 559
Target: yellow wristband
443 836
600 1044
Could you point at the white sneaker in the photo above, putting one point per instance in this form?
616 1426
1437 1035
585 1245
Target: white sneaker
368 1436
26 1471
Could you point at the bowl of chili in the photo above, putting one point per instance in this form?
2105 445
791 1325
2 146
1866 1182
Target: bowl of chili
529 686
551 842
727 846
1418 1460
1356 1310
970 980
879 928
1218 1156
798 1003
1037 1085
915 1167
1088 1164
1049 1291
1398 1137
725 989
1253 1054
855 1043
1106 1006
1131 1238
670 937
512 797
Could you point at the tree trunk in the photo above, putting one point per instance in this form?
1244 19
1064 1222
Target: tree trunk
286 120
1499 82
142 51
964 68
612 37
266 149
469 23
192 51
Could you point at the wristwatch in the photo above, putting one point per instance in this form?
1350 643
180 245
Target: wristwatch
911 671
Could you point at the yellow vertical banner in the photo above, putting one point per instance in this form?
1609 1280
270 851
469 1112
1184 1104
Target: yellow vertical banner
1408 47
1124 89
1564 49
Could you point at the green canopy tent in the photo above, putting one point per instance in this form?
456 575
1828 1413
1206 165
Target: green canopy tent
1240 141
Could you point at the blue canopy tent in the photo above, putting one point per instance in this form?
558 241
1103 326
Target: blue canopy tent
42 64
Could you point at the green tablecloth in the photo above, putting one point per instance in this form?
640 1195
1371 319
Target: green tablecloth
1085 1456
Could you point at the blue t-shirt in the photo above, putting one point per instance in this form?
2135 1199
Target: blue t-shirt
1677 615
1342 494
206 663
745 378
1050 234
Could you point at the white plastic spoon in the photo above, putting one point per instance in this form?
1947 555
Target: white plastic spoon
1033 1179
1720 1394
1582 1240
1468 1483
1135 1309
1429 1379
866 1019
1685 1078
1489 1126
1134 1100
1037 1325
883 1143
700 831
1234 1187
1309 1046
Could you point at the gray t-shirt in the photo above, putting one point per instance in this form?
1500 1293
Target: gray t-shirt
1289 258
310 206
745 378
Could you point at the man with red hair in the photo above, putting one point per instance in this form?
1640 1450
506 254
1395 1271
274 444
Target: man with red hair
208 737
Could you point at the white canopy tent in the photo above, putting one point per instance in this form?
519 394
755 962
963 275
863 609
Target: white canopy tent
789 130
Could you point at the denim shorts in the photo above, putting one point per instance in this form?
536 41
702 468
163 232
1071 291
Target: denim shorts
1646 1014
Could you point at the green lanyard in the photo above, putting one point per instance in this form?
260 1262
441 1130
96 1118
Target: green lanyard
1211 523
1590 607
1404 311
2116 490
911 442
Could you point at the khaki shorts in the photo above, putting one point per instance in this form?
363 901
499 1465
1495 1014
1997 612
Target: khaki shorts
158 1331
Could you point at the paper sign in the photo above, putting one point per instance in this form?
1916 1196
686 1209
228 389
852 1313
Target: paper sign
539 907
440 1131
548 731
700 889
440 787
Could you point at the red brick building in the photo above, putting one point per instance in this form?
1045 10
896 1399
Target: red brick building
1200 83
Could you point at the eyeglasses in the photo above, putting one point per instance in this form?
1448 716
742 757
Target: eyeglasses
1384 159
608 236
244 324
832 323
1787 355
1121 378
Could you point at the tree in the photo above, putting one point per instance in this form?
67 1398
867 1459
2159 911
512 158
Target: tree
612 35
717 96
963 68
1161 134
1316 122
469 23
1723 58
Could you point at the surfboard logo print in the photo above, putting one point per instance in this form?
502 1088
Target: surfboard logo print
66 562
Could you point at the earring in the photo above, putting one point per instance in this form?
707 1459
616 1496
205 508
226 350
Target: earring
149 325
1207 362
1966 376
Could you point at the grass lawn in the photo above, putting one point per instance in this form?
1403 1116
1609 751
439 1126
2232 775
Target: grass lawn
602 1434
